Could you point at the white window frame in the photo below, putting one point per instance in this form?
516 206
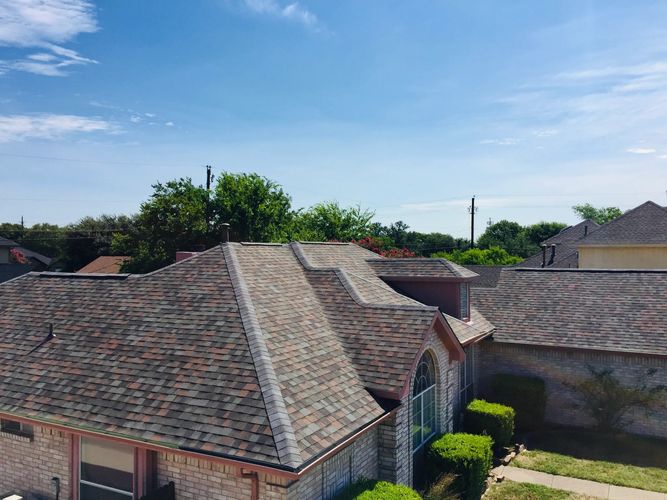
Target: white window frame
129 494
465 313
420 396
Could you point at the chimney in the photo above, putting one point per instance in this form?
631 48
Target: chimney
553 254
225 232
544 255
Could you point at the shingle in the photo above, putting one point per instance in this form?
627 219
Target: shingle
643 225
615 310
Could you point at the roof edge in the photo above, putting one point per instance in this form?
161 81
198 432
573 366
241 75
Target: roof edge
279 420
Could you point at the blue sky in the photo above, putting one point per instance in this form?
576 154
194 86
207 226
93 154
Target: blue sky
407 108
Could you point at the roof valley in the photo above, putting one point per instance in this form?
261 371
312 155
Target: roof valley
281 425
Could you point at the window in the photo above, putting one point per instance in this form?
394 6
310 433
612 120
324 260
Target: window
423 402
18 428
466 378
107 470
463 295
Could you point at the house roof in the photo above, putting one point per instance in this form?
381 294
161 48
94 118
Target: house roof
105 264
4 242
566 243
263 353
643 225
419 268
487 276
11 271
607 310
43 259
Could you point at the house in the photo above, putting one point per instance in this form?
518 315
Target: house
561 249
105 264
635 240
246 371
556 323
16 260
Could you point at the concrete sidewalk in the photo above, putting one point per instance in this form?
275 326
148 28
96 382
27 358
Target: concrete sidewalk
581 486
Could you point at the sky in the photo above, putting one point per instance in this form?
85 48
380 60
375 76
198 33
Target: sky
406 108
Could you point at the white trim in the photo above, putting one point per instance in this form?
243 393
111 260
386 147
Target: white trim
102 487
424 440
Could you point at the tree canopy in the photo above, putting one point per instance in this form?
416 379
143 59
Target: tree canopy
515 239
493 256
601 215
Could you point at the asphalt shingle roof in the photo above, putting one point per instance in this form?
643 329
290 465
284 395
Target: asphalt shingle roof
265 353
617 310
419 268
566 246
643 225
106 264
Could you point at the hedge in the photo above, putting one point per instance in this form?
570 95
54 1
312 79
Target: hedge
492 419
527 395
466 455
367 489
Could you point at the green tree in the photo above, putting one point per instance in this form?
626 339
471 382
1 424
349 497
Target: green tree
537 233
510 236
183 216
329 221
494 256
601 215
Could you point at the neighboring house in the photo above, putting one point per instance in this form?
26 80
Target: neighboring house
635 240
246 371
105 264
10 269
555 323
561 249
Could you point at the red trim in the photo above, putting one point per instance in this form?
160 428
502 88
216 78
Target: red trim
140 472
252 475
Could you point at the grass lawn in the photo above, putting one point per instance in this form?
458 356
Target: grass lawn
525 491
621 459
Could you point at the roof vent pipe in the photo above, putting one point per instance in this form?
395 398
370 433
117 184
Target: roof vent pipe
553 254
225 232
544 255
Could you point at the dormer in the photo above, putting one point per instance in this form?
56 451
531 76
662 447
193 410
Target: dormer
434 282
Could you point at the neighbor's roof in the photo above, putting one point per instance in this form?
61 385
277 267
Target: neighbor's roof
643 225
606 310
487 276
43 259
11 271
419 268
4 242
105 264
263 353
566 246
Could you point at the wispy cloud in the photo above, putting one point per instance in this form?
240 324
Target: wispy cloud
640 151
293 11
49 126
44 25
507 141
169 124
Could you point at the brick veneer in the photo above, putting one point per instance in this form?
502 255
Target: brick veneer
557 366
27 465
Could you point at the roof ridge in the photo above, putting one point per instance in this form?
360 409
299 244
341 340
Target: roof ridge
276 409
350 286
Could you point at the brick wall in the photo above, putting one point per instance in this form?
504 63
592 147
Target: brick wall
557 366
325 480
27 465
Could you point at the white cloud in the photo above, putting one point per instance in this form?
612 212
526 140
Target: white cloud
150 115
548 132
45 24
293 11
640 151
169 124
135 118
507 141
49 126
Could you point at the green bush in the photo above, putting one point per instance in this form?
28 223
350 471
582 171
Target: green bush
442 489
527 395
466 455
367 489
492 419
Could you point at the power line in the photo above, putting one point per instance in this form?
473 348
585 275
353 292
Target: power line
81 160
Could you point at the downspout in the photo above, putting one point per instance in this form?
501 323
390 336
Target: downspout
254 486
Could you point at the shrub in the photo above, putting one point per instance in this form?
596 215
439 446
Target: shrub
466 455
367 489
492 419
527 395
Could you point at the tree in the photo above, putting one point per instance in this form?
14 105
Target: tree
329 221
182 216
600 215
609 402
494 256
509 236
92 237
537 233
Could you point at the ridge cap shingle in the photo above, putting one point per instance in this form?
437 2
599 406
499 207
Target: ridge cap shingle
350 287
276 409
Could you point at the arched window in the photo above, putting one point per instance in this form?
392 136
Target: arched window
423 402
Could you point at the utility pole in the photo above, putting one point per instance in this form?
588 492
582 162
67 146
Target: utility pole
209 177
471 210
